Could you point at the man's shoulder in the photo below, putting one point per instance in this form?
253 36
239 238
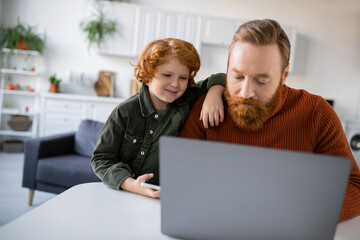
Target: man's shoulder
301 95
305 101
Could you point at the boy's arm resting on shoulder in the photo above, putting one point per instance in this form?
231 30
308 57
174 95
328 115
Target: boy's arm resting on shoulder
203 86
193 127
331 140
105 160
214 79
212 112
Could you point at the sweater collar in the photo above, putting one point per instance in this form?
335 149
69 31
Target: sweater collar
281 101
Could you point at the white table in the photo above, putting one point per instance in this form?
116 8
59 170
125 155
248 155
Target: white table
94 211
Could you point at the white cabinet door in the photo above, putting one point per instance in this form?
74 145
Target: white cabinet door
60 116
219 31
192 30
150 27
157 24
169 25
100 111
125 41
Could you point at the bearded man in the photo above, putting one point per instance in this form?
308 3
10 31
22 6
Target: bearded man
262 111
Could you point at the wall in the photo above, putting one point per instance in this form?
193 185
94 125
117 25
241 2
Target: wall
327 56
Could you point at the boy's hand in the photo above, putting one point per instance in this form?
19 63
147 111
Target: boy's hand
212 112
134 185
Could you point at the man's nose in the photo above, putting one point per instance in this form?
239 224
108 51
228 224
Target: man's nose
246 91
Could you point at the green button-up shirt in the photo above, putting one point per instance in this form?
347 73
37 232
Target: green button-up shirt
127 135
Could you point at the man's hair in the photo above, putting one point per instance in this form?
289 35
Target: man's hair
159 51
264 32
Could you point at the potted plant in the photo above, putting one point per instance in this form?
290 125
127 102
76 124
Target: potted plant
22 37
54 83
98 27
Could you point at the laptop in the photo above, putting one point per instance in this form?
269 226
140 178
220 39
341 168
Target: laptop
212 190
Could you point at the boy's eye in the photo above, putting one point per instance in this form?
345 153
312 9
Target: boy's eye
239 77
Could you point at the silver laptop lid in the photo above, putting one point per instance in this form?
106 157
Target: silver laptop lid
214 190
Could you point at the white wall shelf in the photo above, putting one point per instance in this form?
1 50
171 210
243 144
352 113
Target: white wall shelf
19 92
16 133
19 72
24 52
18 102
16 112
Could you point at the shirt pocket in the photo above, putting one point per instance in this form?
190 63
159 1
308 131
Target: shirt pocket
130 147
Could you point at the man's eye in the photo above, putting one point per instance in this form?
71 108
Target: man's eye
260 82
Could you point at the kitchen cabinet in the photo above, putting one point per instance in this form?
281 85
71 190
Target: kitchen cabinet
100 111
63 112
19 91
220 31
125 41
140 25
192 30
157 24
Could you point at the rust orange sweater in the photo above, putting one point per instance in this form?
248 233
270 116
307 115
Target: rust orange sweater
300 122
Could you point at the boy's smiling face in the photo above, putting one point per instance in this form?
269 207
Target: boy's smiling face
169 84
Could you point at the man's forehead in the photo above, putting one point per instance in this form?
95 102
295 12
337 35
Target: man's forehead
246 57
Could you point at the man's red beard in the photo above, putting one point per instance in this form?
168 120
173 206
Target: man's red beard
250 117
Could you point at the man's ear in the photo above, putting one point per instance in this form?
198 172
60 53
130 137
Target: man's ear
286 74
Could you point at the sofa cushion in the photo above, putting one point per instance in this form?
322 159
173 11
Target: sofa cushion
65 171
87 136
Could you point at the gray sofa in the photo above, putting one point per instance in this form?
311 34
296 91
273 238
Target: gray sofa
56 163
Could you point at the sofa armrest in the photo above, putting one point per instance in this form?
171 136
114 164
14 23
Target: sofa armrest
37 148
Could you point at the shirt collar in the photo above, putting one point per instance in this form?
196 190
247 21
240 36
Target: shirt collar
146 106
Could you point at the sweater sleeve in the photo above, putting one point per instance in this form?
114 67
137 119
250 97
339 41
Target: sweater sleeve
105 160
193 127
331 140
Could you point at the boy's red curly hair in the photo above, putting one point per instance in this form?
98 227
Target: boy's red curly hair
158 52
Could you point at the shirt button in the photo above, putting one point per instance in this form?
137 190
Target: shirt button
151 131
156 116
134 140
142 153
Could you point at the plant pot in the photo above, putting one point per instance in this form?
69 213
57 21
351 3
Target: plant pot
23 45
54 88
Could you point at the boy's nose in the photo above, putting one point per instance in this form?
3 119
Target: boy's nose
175 82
